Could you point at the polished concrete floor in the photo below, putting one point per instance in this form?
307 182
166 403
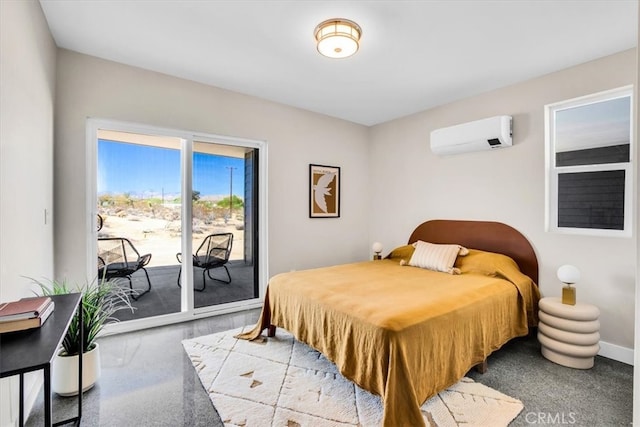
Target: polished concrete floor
556 395
147 380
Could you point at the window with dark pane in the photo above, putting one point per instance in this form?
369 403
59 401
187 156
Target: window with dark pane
589 157
594 156
591 200
593 134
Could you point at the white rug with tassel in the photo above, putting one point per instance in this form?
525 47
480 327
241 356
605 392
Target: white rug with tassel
282 382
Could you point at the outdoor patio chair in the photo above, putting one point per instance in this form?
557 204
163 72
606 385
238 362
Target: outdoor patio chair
118 258
212 253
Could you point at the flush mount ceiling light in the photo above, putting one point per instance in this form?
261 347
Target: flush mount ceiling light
338 38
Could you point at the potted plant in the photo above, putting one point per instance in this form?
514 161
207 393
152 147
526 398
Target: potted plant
100 300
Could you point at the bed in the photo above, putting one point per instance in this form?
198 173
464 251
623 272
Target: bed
406 333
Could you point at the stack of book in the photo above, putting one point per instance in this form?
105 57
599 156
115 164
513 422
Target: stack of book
24 314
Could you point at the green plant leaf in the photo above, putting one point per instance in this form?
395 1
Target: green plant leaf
101 299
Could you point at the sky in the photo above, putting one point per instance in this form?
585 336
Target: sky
594 125
146 171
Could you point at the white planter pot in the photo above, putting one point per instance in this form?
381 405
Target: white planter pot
64 372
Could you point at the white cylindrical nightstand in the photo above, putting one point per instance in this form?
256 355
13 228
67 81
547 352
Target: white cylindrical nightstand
569 334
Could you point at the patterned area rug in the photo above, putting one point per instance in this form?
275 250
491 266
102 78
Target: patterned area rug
282 382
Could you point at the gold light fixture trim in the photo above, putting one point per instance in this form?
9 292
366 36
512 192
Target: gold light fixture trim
569 275
338 38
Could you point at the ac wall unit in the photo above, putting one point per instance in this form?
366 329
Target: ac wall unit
486 134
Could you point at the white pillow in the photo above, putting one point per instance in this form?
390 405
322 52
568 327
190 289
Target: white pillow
437 257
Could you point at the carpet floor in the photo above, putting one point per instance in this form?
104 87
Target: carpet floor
281 381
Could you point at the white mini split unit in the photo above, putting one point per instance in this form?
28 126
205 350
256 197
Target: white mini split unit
486 134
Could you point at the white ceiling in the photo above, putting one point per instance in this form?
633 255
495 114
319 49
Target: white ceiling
414 55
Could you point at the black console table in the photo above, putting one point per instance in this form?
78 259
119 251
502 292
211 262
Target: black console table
34 349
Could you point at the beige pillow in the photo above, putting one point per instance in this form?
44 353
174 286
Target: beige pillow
437 257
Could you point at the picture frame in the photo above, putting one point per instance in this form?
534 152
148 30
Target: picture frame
324 191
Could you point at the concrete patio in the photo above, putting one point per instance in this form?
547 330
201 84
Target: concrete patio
164 297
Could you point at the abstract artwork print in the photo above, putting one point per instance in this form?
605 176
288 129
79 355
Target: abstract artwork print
324 191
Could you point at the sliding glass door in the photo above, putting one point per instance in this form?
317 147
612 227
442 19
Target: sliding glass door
138 189
160 196
225 267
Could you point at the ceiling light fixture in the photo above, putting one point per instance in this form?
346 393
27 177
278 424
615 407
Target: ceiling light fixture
338 38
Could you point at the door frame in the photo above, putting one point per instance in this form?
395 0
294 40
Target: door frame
93 125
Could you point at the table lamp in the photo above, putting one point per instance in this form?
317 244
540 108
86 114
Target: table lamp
377 249
568 274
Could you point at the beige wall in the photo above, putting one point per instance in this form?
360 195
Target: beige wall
412 185
27 82
91 87
636 374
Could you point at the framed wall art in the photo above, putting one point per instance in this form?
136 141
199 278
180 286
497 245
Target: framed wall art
324 191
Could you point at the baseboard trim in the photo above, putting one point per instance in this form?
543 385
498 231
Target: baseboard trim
616 352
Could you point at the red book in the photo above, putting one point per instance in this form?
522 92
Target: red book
34 322
26 308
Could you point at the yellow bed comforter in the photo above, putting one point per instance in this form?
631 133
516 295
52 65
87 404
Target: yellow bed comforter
401 332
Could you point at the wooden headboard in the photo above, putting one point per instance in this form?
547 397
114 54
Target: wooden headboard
484 235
